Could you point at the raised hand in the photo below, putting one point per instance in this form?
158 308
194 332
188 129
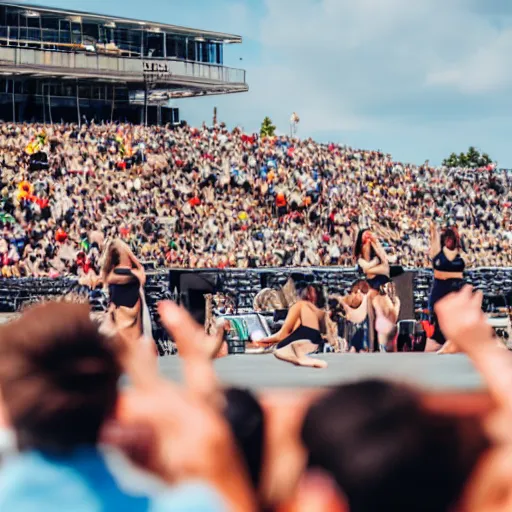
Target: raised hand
462 320
191 439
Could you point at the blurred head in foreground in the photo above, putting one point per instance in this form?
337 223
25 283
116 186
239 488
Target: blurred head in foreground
58 377
387 452
246 419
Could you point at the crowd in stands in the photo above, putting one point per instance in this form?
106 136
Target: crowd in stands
72 439
212 198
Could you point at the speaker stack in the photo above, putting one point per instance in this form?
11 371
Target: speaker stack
404 283
191 288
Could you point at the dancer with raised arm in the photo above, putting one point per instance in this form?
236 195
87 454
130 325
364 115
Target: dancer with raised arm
449 266
125 277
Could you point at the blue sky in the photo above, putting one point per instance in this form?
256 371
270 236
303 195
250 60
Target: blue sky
418 79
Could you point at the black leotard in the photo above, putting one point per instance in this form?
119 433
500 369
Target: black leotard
443 287
444 264
302 333
379 280
376 282
125 295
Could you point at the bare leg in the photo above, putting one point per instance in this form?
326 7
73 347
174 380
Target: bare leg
368 268
380 270
449 348
385 343
432 346
371 323
298 352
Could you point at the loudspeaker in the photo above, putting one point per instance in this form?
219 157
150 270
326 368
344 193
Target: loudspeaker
192 289
175 276
405 290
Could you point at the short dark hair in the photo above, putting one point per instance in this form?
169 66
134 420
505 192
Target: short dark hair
245 416
58 376
387 452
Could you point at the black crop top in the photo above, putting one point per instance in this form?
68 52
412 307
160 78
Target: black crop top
125 295
443 264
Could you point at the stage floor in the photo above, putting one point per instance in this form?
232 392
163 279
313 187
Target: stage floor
432 373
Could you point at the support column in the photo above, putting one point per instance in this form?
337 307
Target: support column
113 103
13 103
44 103
50 105
78 106
146 104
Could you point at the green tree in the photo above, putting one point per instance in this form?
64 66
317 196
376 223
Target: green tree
267 128
463 160
473 158
485 159
451 161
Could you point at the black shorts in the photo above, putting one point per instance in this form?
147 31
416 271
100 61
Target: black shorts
376 282
440 289
301 334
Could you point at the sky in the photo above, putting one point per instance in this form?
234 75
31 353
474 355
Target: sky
415 78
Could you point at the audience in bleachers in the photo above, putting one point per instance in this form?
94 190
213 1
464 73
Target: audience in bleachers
208 197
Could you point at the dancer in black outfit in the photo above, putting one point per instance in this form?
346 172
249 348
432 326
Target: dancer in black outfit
449 266
125 277
371 258
300 336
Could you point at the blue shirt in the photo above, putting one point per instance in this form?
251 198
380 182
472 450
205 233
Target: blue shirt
83 482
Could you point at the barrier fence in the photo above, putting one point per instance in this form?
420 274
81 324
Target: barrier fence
244 285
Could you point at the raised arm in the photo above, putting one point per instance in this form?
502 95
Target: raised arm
380 252
463 322
435 241
366 266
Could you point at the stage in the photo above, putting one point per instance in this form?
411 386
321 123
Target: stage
432 373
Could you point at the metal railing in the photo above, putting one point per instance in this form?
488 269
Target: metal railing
62 40
129 68
58 39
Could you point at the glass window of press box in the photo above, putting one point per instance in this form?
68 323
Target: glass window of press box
36 30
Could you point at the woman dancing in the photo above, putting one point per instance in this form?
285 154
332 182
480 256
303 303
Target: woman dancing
300 336
387 311
373 261
125 277
449 266
355 305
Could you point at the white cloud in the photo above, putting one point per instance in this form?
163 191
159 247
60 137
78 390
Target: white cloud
485 70
346 65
